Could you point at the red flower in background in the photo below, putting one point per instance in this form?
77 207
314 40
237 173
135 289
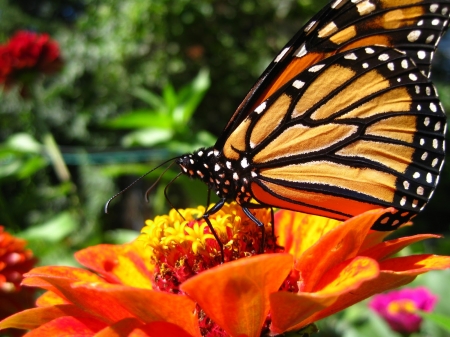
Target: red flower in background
27 53
15 260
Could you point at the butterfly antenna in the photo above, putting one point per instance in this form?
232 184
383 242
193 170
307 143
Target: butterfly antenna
140 178
156 182
167 197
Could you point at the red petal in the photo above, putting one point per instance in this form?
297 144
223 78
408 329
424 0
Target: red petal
389 248
123 264
68 326
133 328
336 246
236 295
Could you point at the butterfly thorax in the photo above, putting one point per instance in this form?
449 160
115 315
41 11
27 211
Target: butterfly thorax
220 174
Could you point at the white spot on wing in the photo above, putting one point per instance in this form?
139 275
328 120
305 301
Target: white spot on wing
316 68
413 36
301 51
351 56
391 66
309 26
434 8
433 107
421 54
405 64
406 184
244 162
298 84
435 22
369 50
365 8
383 57
260 108
281 55
217 167
413 77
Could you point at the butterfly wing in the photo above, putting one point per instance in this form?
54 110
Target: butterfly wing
412 26
359 130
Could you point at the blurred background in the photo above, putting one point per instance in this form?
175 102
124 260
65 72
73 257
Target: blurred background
127 84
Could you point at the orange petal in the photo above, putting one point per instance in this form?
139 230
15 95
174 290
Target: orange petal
236 295
133 328
339 244
290 310
103 308
152 306
394 273
49 298
287 309
297 231
67 327
348 276
385 281
33 318
373 238
126 264
416 264
389 248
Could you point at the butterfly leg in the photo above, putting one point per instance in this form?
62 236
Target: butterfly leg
206 216
260 225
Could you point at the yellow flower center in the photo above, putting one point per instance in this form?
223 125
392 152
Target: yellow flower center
182 244
402 306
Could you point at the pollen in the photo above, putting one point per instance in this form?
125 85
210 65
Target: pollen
182 245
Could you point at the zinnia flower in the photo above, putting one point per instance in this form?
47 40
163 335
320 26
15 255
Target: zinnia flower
399 308
26 54
171 282
15 260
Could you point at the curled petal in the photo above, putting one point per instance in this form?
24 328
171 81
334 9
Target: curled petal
236 295
289 311
337 245
389 248
416 264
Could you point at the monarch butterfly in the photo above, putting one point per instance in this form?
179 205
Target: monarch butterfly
344 119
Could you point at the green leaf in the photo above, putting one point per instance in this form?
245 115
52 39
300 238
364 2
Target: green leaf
155 101
147 137
24 142
141 119
53 230
438 319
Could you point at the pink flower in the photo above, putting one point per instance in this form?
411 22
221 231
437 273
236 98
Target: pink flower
399 307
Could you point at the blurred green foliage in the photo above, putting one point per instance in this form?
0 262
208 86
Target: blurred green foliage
142 81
